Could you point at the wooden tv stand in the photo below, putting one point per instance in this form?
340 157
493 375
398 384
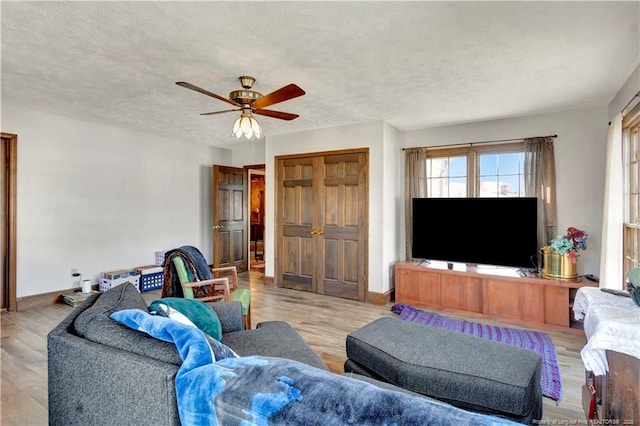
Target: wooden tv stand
497 293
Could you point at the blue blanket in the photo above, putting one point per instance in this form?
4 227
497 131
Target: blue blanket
272 391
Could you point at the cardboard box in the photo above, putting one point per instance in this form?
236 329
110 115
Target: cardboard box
148 269
107 284
120 273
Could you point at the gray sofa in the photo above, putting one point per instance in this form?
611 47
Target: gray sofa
99 369
102 372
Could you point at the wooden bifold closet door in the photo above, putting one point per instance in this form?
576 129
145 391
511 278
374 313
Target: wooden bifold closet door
321 223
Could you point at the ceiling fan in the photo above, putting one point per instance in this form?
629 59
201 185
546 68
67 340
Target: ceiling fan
251 102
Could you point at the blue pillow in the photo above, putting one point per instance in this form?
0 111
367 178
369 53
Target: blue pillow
201 315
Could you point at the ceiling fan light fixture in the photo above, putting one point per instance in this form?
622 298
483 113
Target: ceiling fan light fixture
248 101
246 126
247 81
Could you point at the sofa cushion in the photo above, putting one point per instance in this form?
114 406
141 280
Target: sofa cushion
94 324
200 313
274 339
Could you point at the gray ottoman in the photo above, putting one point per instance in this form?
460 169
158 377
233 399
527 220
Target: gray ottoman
465 371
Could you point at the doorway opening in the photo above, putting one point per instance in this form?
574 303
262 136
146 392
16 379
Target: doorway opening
256 219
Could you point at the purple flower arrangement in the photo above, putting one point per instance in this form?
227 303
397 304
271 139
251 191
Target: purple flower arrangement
570 244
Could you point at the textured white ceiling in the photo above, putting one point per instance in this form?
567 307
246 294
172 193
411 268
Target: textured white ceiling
411 64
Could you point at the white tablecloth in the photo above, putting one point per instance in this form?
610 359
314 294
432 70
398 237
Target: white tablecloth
610 323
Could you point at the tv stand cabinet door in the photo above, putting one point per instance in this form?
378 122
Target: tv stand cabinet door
417 287
461 292
514 300
556 302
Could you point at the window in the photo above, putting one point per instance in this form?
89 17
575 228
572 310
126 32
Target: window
495 170
447 176
631 226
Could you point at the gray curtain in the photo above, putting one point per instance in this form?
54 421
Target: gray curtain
415 186
540 182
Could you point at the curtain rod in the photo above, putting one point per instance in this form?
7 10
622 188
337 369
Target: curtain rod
631 101
480 142
633 98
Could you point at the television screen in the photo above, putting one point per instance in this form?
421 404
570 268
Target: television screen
484 231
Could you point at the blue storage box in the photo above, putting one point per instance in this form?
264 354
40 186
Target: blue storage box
150 282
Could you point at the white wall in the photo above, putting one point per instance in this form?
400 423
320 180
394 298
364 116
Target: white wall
369 135
392 175
99 198
96 198
248 154
626 93
580 150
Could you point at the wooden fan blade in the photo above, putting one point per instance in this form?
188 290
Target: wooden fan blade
206 92
276 114
283 94
220 112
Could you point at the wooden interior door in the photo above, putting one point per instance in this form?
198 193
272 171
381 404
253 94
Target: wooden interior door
342 222
296 265
321 223
8 236
230 223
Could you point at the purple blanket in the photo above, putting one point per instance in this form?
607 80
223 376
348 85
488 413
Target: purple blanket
534 341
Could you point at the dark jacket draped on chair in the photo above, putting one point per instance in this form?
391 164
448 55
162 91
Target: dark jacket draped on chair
197 268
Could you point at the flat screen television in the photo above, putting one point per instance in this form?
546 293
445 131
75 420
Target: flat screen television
483 231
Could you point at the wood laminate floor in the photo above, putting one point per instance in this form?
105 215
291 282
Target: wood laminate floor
322 321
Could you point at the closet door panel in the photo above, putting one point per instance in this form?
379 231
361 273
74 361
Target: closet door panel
295 264
343 224
321 214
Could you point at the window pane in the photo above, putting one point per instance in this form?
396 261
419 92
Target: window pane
447 176
457 166
439 167
510 164
507 179
633 179
632 247
521 188
498 174
509 186
488 165
631 144
488 187
458 187
438 188
633 213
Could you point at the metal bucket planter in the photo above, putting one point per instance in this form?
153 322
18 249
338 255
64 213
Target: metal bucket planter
557 266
